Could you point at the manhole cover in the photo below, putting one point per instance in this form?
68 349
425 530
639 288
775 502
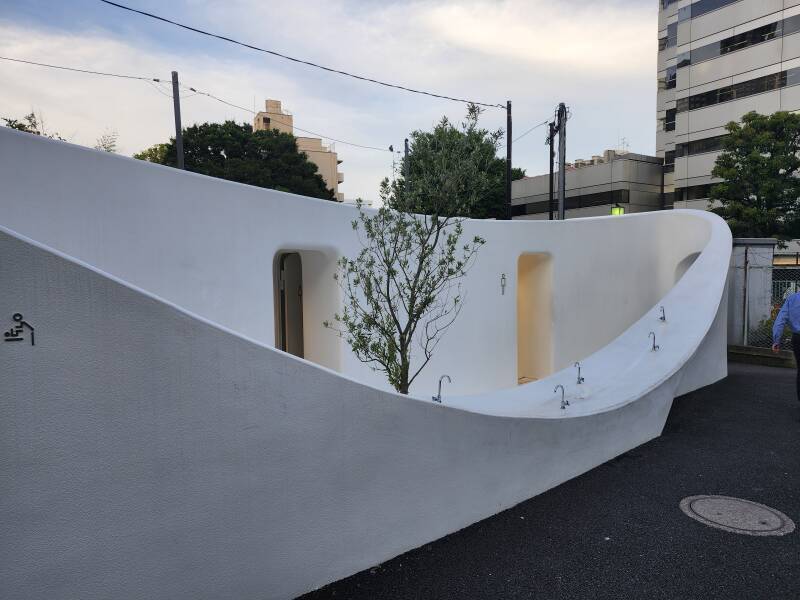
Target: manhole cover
737 515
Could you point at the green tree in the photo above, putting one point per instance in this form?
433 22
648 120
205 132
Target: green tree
403 289
479 194
31 123
233 151
760 163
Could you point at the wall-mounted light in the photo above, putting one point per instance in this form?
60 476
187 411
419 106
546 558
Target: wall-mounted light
617 210
503 284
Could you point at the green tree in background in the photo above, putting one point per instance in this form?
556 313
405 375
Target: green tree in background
233 151
31 123
479 189
760 163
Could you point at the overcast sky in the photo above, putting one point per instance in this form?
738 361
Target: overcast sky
597 56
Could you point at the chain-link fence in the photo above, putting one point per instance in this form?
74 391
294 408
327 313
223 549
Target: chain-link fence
766 289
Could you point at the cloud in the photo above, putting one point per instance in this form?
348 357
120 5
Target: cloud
599 57
588 37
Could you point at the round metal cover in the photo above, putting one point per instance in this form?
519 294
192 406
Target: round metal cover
737 515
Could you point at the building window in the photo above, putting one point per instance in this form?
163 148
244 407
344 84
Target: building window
669 80
573 202
669 161
693 192
266 121
744 89
711 144
740 41
672 75
671 39
669 120
698 9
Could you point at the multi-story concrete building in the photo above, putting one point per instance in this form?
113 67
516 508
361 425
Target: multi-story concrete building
275 117
717 60
622 180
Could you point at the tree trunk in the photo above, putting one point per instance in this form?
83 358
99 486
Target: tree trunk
402 386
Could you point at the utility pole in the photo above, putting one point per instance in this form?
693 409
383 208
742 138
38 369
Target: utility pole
562 160
406 166
508 161
550 140
176 101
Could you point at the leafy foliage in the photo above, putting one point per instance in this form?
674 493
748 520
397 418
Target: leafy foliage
233 151
107 142
759 163
479 189
403 289
31 123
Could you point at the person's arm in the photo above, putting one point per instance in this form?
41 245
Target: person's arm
780 323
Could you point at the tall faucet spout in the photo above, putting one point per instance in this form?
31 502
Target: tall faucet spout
438 397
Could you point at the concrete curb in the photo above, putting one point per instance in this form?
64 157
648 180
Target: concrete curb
761 356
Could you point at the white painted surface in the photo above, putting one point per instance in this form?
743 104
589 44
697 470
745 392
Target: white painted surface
154 445
209 246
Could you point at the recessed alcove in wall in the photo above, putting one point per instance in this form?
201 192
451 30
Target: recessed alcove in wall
534 317
306 295
684 265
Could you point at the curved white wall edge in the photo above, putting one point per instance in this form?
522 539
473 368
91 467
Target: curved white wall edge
154 445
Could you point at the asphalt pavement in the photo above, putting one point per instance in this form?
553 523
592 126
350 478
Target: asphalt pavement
618 532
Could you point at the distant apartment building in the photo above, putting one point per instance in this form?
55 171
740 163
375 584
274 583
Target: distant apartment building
717 60
324 156
617 180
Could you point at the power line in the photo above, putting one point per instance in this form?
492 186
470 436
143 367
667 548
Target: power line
327 137
151 80
531 129
298 60
38 64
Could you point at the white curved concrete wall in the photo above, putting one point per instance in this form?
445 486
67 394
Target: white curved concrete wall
208 246
153 445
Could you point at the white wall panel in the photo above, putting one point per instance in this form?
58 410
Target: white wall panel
729 65
751 69
701 164
790 98
733 15
721 114
791 46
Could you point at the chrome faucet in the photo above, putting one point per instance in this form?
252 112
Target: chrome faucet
663 317
580 379
655 346
438 397
564 402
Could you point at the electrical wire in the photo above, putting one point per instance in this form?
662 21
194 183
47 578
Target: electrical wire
529 130
327 137
298 60
38 64
154 81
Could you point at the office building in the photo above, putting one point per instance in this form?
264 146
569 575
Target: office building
718 60
623 181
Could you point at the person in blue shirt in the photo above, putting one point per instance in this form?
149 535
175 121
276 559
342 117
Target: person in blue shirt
789 315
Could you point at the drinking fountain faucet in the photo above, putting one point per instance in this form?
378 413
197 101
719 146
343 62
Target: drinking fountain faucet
655 346
663 317
438 397
580 379
564 402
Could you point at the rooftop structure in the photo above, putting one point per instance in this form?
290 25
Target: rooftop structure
322 155
622 179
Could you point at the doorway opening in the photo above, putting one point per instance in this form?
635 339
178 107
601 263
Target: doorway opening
290 304
534 317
